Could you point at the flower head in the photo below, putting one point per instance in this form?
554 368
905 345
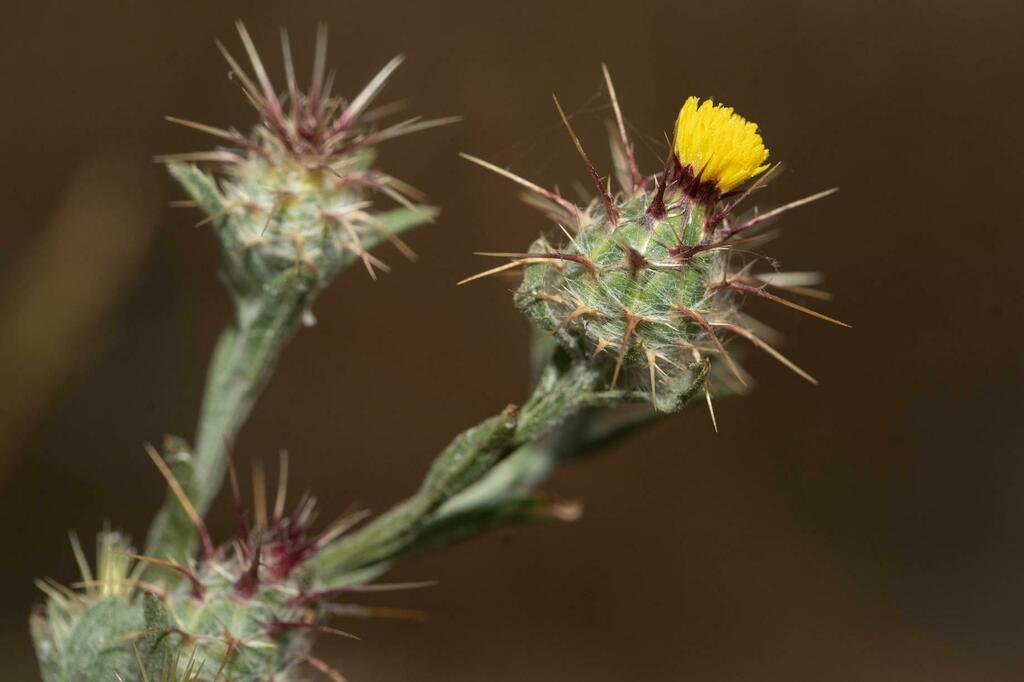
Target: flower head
717 145
646 280
295 196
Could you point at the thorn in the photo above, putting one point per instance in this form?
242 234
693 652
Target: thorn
407 127
272 213
289 73
236 496
247 85
494 271
631 321
339 527
360 611
579 259
356 244
83 564
566 511
247 584
327 670
314 597
726 234
202 127
129 582
505 254
405 188
540 296
233 645
763 345
799 283
282 487
278 626
273 105
226 209
57 592
368 93
652 363
572 240
392 587
634 172
319 65
715 220
610 209
530 259
739 274
577 312
384 230
220 155
656 209
711 408
259 495
703 324
198 589
756 291
566 206
385 110
635 260
186 504
601 345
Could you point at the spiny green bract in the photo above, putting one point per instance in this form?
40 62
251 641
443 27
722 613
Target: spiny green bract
246 612
246 637
627 297
283 216
294 197
648 279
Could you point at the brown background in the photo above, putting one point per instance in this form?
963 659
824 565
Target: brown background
870 528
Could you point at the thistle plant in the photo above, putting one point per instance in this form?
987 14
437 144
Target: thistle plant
634 298
292 205
291 210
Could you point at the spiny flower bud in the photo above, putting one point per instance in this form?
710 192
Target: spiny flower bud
246 611
77 633
648 279
293 197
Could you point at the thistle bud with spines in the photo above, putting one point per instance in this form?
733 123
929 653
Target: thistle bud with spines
295 196
647 279
245 611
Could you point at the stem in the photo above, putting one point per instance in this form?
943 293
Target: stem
241 366
566 417
507 494
270 303
566 388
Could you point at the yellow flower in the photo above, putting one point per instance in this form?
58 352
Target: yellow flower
720 146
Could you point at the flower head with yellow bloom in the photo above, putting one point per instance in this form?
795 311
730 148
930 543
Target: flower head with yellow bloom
717 148
644 279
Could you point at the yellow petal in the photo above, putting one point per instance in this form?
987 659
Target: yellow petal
720 145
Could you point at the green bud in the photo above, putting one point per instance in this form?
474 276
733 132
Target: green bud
649 280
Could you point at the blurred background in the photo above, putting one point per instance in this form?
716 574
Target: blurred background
869 528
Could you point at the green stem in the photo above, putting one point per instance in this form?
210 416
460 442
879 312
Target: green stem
270 304
566 388
241 366
567 417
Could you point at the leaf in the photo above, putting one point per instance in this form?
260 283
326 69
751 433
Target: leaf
156 650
